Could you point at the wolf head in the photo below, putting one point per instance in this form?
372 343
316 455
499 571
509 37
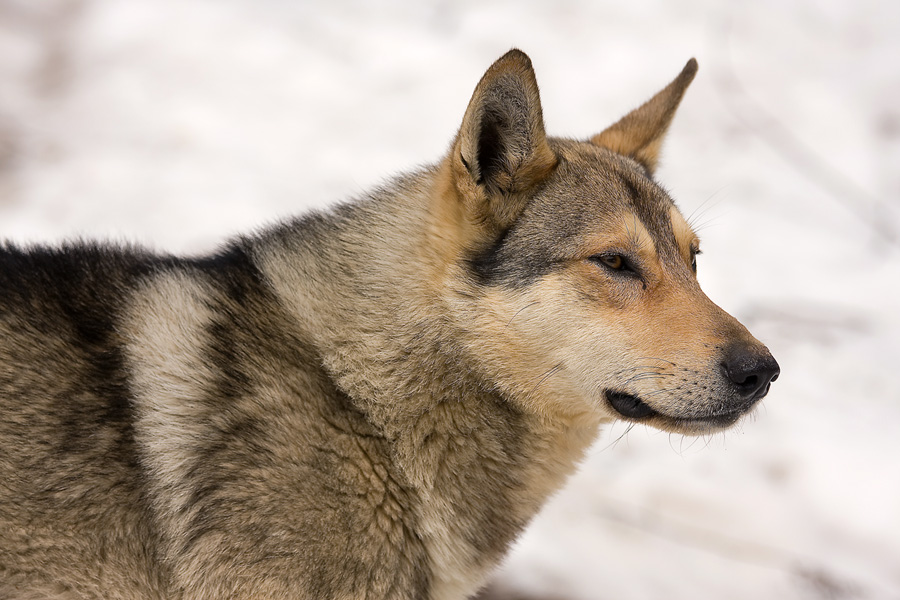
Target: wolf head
575 279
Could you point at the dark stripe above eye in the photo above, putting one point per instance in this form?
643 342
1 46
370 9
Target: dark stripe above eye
633 191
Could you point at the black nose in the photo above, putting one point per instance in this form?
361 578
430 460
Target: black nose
751 369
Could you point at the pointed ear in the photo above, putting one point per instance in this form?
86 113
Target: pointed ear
501 149
640 133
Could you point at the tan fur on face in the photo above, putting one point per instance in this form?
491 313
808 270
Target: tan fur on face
688 242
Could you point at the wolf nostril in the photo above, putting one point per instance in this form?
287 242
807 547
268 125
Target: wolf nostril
751 370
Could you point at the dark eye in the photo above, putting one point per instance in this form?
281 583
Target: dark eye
614 262
694 253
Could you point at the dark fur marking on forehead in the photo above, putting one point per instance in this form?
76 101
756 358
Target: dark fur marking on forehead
633 191
540 239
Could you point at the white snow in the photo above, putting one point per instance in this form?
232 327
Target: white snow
178 122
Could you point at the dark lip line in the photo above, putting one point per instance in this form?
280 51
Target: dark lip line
717 418
729 416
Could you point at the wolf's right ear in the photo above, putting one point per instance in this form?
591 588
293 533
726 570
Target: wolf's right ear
501 149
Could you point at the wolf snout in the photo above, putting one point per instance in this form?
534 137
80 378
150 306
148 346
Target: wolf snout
751 369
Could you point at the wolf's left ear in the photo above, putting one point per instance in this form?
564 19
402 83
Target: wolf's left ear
502 148
640 133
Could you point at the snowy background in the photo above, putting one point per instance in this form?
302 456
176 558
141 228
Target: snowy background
178 122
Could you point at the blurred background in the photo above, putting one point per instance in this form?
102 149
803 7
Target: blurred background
178 122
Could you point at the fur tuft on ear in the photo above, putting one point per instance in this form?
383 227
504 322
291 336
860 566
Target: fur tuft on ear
502 148
640 133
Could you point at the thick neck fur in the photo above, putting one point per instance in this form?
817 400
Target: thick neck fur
355 279
372 285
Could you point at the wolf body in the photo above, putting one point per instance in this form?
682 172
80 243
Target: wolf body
365 402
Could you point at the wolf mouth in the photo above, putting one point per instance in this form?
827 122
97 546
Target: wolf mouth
633 408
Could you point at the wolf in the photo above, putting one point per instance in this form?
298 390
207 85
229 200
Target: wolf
369 401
